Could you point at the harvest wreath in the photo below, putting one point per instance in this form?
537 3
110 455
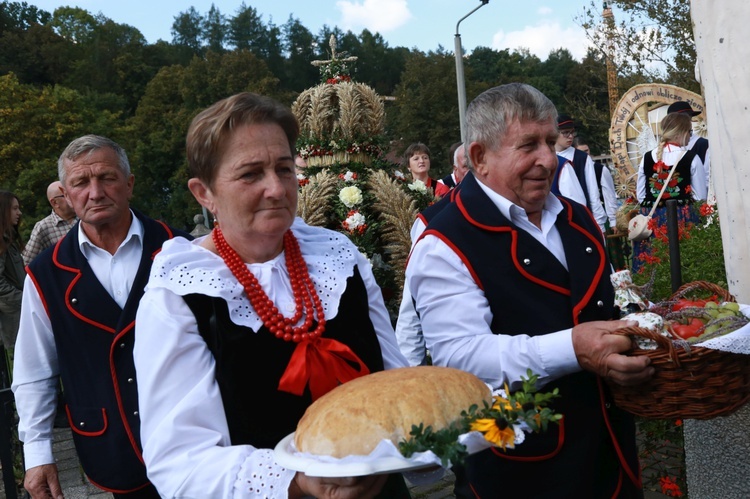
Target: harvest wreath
412 417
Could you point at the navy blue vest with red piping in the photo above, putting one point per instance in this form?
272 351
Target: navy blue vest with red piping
94 338
249 365
530 292
681 177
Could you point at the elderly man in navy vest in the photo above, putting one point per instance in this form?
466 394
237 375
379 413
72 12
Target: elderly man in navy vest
509 277
77 323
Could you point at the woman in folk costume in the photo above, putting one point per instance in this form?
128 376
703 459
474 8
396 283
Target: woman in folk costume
686 184
241 330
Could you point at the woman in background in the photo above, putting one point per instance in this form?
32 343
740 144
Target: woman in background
417 161
687 184
11 269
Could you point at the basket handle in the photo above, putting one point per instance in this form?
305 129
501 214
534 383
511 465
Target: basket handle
650 334
686 288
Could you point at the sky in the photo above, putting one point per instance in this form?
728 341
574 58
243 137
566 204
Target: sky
538 25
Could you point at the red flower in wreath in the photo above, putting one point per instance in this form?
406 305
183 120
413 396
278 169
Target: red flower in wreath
706 210
669 487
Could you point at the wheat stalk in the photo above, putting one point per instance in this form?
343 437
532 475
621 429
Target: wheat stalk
374 110
350 111
397 213
314 198
322 110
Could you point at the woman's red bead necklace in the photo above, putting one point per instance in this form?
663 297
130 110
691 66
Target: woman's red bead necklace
306 299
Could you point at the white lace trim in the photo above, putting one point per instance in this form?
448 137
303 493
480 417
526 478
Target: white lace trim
183 267
261 477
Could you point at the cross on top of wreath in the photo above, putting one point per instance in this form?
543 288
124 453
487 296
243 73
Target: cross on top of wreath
335 70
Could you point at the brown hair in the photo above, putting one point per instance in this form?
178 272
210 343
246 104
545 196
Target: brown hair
210 130
8 232
413 149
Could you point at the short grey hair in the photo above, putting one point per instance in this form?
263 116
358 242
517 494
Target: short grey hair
86 145
489 115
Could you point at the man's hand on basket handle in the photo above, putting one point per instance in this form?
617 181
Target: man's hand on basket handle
600 352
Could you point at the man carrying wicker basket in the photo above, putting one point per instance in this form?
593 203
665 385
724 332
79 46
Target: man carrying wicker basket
531 275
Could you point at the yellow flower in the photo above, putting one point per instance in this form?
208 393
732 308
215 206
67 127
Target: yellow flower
496 431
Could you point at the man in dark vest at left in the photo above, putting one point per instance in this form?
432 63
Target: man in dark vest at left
77 323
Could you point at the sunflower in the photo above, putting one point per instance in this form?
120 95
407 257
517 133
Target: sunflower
497 431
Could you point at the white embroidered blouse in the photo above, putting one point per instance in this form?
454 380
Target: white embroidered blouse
184 432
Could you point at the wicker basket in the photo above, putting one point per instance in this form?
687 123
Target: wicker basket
698 383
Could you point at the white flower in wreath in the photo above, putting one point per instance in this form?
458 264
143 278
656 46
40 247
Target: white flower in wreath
349 176
399 175
355 221
418 186
350 196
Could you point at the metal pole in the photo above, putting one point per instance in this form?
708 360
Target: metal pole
675 265
460 83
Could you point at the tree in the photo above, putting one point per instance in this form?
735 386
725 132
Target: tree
427 107
299 45
36 124
655 39
246 30
187 30
20 16
157 131
215 29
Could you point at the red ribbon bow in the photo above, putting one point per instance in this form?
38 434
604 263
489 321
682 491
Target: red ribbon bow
322 363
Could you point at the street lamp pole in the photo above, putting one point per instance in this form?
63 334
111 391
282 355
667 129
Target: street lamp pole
460 83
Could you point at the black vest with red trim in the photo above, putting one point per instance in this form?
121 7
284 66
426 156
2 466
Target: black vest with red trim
530 292
249 365
94 340
679 185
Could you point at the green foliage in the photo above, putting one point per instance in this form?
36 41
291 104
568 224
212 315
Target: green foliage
526 406
701 256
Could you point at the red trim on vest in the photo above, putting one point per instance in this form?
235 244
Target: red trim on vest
578 308
38 289
88 433
116 386
514 247
118 491
532 459
623 463
73 311
458 253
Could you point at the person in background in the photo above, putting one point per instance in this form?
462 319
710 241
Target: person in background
79 304
688 182
509 277
53 227
228 365
459 166
11 273
417 161
582 165
608 198
696 143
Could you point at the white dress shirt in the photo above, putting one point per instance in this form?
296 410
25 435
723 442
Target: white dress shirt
408 328
186 443
670 154
36 366
591 186
456 315
610 196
